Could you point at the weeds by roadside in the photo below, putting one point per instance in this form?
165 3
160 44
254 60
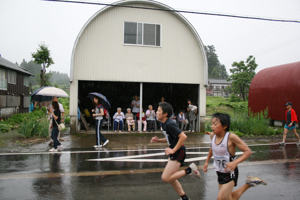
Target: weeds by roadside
244 124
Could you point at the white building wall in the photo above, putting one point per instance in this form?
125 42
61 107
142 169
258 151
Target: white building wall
100 53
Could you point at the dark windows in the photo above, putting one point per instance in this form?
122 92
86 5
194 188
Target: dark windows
142 34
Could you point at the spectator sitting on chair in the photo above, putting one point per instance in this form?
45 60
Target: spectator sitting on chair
143 121
118 120
182 120
150 114
173 116
129 120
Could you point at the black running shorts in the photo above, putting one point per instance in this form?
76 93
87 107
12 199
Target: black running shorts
179 155
224 178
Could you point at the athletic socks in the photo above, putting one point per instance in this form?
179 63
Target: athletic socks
188 170
184 197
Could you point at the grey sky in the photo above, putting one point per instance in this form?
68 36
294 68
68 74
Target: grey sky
25 24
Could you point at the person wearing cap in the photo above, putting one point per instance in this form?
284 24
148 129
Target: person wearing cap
291 120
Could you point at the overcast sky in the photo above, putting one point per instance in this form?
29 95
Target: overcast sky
27 23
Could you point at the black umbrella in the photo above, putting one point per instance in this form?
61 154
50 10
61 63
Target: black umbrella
103 99
40 98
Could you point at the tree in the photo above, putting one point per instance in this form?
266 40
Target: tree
242 74
215 68
222 72
42 57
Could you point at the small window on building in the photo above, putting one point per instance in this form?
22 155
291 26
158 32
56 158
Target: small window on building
142 34
12 77
3 80
26 80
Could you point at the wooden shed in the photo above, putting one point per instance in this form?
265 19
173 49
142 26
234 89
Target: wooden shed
272 87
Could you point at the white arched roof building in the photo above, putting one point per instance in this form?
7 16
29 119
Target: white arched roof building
123 44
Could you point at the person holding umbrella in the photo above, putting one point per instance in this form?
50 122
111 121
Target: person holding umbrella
98 113
55 112
62 111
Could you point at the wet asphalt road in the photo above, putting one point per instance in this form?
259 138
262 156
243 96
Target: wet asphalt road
129 167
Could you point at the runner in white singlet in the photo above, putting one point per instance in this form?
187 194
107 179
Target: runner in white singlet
223 146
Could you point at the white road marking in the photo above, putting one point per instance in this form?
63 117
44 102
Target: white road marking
133 158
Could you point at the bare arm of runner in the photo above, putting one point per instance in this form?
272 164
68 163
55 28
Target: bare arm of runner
182 137
207 160
155 139
236 141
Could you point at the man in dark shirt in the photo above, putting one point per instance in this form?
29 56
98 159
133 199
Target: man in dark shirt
176 151
291 121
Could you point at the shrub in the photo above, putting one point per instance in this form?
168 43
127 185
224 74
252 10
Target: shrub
67 120
20 119
34 127
252 124
234 98
4 127
238 133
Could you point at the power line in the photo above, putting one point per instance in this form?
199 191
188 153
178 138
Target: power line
180 11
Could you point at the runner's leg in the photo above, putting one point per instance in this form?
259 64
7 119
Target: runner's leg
171 174
236 194
225 191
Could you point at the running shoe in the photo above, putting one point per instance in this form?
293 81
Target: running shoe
282 143
98 146
254 181
105 143
53 150
195 172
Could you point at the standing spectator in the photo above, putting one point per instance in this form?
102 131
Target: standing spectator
56 119
291 120
182 120
129 120
143 121
118 120
192 111
98 113
162 100
150 114
135 105
62 111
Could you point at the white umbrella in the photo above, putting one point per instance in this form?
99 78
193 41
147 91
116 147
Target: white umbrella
52 91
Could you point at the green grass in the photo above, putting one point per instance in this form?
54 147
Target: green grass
242 122
220 104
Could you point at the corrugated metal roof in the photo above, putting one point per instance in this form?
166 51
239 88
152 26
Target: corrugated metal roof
100 48
9 65
274 86
218 81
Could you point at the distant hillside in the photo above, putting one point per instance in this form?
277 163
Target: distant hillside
59 78
56 77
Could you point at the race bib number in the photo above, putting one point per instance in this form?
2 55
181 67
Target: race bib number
220 163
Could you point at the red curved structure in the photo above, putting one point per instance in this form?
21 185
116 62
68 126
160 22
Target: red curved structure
272 87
